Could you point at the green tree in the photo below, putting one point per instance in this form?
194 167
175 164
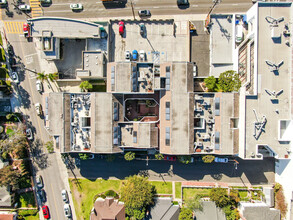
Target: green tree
129 156
229 81
185 214
83 156
137 193
85 85
9 176
234 197
194 203
231 213
159 156
50 146
208 158
186 159
42 76
211 83
53 76
219 196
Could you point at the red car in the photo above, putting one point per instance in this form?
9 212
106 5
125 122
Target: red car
121 27
26 29
46 212
170 158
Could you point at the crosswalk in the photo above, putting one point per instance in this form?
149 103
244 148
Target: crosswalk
14 27
36 10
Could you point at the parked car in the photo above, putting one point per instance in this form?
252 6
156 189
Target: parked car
38 108
64 195
221 160
10 50
3 2
39 86
24 7
182 2
45 1
43 196
170 158
12 61
39 181
144 13
127 55
141 55
67 210
142 29
29 134
121 27
76 6
14 77
46 212
134 54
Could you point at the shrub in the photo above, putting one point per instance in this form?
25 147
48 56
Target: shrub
229 81
280 202
83 156
129 156
219 196
49 146
185 214
27 212
208 158
184 159
211 83
231 213
159 156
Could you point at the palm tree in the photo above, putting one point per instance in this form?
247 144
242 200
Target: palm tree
42 76
53 76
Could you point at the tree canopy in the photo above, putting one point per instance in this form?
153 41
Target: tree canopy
229 81
185 214
219 196
53 76
211 83
129 156
42 76
9 176
137 193
85 85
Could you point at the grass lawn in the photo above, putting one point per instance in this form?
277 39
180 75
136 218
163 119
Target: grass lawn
84 194
9 131
189 193
178 190
27 200
243 195
32 217
162 187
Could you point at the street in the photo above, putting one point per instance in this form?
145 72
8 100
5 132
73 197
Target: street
26 96
247 172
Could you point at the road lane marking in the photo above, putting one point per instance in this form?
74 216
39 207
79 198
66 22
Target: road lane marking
13 27
54 201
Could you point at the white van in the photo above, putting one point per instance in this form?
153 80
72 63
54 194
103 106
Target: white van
238 33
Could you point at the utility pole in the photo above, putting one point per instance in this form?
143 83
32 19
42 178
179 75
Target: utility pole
208 19
132 8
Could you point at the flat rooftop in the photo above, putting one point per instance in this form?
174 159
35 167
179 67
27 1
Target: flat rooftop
93 61
265 104
64 27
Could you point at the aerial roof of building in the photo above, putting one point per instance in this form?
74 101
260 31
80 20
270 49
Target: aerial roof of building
261 211
64 28
267 113
108 209
164 210
5 197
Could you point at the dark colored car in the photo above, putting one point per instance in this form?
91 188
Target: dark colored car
144 13
46 212
182 2
121 27
142 29
43 195
10 50
12 61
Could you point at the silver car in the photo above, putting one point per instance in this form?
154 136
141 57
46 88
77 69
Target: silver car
67 210
14 77
76 6
39 181
64 195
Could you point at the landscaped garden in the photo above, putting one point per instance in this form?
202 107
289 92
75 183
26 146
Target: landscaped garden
27 200
189 193
85 191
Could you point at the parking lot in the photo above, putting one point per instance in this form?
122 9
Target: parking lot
168 39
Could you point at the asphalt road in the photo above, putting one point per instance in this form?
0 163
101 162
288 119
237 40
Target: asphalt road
44 164
97 9
252 172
